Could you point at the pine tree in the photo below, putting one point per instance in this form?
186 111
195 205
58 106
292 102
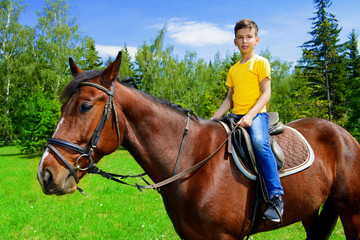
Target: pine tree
127 67
320 60
352 55
91 57
353 90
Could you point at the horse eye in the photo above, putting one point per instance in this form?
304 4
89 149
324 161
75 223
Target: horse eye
85 107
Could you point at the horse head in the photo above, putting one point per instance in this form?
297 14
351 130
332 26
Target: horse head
87 130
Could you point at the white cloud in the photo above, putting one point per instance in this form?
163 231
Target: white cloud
198 34
112 51
263 32
230 27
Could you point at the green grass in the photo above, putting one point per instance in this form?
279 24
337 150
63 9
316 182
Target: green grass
108 211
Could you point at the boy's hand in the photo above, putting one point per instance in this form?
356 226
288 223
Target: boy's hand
245 121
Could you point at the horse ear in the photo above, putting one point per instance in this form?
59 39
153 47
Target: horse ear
111 72
75 70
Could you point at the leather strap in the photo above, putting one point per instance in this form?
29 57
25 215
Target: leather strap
193 168
72 171
167 181
91 145
66 144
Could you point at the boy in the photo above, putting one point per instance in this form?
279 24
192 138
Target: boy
248 93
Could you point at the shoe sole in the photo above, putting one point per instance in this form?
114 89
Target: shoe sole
277 220
272 220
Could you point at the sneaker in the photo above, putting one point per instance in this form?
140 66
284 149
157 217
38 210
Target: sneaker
275 210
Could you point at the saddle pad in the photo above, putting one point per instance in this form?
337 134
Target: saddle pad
298 154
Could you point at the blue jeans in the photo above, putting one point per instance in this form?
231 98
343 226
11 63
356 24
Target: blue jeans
259 133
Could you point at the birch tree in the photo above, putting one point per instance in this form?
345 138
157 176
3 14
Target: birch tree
10 46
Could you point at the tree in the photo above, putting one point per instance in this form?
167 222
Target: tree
352 55
215 89
127 67
156 67
36 119
320 60
12 43
352 58
189 82
91 58
281 88
57 39
34 62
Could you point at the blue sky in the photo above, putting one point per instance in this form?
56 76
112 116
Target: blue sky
205 27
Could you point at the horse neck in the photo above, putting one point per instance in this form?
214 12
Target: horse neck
153 132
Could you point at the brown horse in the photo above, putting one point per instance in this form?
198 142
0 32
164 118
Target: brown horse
216 201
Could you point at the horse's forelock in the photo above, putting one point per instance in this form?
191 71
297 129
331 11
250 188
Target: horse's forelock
73 86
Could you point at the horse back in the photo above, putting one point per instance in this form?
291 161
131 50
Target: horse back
335 149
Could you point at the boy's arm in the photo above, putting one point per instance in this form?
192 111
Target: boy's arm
265 86
226 104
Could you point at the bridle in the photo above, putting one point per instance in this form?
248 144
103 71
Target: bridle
86 152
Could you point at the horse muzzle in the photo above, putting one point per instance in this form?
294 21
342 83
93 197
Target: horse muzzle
55 181
50 186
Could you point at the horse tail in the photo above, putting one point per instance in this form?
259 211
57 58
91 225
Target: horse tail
325 223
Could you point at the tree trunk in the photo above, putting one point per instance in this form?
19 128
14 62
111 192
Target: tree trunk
6 58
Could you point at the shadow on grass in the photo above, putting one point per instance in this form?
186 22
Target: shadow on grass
10 154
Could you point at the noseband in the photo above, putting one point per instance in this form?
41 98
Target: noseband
91 144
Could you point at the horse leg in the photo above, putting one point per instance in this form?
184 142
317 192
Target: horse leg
321 226
348 207
351 224
309 222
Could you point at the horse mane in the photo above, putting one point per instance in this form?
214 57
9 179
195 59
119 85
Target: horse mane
73 87
130 82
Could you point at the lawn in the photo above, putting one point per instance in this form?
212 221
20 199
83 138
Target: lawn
108 211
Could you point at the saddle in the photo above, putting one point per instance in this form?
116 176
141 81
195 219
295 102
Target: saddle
292 152
241 142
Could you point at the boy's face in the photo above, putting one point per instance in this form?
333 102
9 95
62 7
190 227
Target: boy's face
246 40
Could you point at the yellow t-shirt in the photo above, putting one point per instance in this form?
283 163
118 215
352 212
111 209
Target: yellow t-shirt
246 80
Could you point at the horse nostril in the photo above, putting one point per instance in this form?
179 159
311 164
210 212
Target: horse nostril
47 178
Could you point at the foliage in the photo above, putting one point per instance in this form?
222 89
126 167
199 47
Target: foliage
352 58
91 59
190 82
34 60
56 39
36 117
321 64
281 87
11 45
330 72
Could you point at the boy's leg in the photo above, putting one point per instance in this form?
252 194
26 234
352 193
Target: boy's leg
259 133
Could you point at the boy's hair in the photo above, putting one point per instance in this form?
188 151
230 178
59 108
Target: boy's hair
246 23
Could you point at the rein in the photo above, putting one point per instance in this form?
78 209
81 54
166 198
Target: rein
167 181
193 168
91 145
